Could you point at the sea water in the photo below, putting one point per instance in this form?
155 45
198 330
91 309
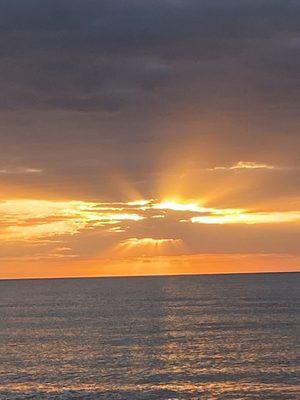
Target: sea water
184 337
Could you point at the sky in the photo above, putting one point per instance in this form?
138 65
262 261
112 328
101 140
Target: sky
149 137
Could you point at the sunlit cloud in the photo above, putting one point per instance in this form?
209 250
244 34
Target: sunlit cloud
20 170
150 241
35 219
61 230
239 217
228 215
246 165
209 215
61 253
139 203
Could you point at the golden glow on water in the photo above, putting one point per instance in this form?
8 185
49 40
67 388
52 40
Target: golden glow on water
195 337
226 387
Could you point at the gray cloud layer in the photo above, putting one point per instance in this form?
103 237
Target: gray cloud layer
106 55
87 85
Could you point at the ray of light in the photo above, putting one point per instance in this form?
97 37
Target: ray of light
148 246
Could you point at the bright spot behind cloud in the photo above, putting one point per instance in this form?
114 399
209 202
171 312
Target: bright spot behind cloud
180 206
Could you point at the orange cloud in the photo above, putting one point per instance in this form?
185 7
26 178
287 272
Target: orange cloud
145 232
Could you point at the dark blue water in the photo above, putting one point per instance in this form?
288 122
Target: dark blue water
205 337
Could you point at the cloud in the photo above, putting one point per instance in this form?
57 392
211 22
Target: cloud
66 55
246 165
250 165
20 170
91 86
244 217
28 220
41 221
62 231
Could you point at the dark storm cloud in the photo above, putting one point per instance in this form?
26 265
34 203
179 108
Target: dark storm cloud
108 55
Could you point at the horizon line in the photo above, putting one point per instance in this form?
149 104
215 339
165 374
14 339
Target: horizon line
147 275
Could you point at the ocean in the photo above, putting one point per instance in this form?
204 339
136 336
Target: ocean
182 337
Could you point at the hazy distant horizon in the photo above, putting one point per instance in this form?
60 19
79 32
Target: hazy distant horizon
151 276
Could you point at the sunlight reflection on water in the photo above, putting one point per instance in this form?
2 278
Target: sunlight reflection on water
208 337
